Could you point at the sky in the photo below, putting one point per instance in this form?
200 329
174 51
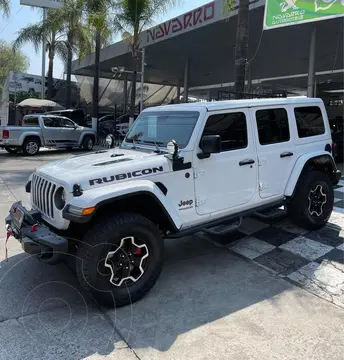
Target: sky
21 16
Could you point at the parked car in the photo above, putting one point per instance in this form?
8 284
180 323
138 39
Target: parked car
181 169
337 129
118 128
76 115
45 130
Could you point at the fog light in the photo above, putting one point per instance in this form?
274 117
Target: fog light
110 140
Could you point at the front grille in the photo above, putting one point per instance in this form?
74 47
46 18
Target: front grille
42 195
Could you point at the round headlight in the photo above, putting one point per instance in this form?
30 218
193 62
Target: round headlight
110 140
172 148
60 198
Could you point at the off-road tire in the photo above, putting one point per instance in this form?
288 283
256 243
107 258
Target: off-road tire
97 243
86 143
28 141
298 209
11 150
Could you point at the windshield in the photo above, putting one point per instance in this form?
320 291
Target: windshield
160 127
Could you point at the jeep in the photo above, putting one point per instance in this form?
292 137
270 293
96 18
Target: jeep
180 169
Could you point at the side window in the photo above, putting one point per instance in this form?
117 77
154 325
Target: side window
273 126
30 121
309 121
66 123
231 127
51 122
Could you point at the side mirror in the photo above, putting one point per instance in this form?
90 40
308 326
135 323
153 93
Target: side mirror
210 144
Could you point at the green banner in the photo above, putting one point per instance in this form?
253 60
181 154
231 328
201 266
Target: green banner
280 13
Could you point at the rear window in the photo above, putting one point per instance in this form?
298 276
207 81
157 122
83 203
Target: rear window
309 121
31 121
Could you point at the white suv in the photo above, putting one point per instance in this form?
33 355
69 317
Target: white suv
180 169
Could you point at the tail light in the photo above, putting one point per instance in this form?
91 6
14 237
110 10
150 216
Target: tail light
334 149
5 134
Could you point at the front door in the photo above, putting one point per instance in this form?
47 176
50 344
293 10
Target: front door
276 150
228 179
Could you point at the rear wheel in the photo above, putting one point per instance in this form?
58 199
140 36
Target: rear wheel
120 259
88 143
31 146
312 204
11 150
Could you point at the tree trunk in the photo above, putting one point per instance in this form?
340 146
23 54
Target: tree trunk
241 47
69 75
50 74
96 83
133 89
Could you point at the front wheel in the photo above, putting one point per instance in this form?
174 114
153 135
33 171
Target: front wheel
11 150
312 204
120 259
88 143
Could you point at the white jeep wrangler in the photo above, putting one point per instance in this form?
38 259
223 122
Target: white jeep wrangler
180 169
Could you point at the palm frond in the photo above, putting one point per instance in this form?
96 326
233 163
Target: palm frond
31 34
5 8
61 51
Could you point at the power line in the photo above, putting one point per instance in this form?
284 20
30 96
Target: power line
19 10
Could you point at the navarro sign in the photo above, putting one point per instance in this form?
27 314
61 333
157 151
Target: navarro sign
202 16
183 23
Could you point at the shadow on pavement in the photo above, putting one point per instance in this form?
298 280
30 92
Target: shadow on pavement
205 300
44 314
200 284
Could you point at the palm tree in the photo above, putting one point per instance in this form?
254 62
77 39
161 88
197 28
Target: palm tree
241 46
98 20
78 35
50 30
131 18
5 7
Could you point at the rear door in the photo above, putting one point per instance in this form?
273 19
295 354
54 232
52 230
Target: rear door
52 130
275 148
70 133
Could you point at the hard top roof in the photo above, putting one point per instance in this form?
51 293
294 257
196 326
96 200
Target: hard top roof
234 104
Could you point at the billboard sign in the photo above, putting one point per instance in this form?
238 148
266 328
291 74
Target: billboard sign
49 4
22 86
279 13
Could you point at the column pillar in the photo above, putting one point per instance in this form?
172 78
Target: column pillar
186 81
311 64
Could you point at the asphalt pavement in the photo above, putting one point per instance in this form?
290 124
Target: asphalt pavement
211 302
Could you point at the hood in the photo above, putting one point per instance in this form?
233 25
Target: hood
105 167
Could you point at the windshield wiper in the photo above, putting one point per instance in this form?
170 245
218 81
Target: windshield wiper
156 143
135 142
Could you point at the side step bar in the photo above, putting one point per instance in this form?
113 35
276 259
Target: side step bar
224 229
214 223
271 213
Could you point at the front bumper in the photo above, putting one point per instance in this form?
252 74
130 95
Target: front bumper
337 177
36 238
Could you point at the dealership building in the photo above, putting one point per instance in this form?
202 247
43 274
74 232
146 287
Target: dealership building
193 55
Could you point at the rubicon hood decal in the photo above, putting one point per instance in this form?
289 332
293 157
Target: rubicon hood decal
129 175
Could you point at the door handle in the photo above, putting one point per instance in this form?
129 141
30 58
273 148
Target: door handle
286 154
246 162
